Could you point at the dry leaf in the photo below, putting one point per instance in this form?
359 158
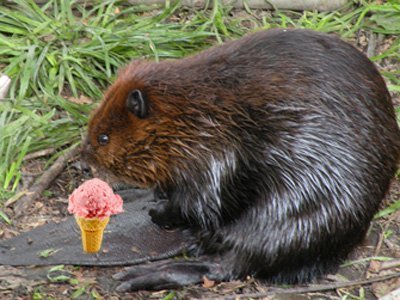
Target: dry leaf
136 250
81 100
232 286
207 283
379 289
374 266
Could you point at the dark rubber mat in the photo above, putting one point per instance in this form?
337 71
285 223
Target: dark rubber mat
130 238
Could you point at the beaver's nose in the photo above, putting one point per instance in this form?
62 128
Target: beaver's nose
85 168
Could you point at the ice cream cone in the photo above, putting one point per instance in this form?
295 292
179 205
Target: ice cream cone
92 232
92 203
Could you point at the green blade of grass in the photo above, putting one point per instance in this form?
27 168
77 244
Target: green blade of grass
27 72
388 210
5 218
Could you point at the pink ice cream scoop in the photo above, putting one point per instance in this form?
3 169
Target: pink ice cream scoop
94 199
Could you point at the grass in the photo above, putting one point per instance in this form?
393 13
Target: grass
56 48
63 50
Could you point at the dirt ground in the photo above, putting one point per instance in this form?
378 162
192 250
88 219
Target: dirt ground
383 241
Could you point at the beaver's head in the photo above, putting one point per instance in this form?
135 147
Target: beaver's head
143 132
125 135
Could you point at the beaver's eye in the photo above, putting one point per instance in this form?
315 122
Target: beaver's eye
103 139
137 104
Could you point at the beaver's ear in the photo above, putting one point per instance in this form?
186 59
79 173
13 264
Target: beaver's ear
137 104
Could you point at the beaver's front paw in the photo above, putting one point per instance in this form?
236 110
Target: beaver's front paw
165 216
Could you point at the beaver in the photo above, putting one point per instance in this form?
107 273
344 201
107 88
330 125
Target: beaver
274 151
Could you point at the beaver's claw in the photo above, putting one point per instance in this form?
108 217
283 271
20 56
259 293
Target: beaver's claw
167 274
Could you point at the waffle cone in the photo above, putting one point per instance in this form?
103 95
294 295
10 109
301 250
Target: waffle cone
92 233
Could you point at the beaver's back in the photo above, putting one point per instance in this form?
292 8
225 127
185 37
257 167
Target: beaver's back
273 65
